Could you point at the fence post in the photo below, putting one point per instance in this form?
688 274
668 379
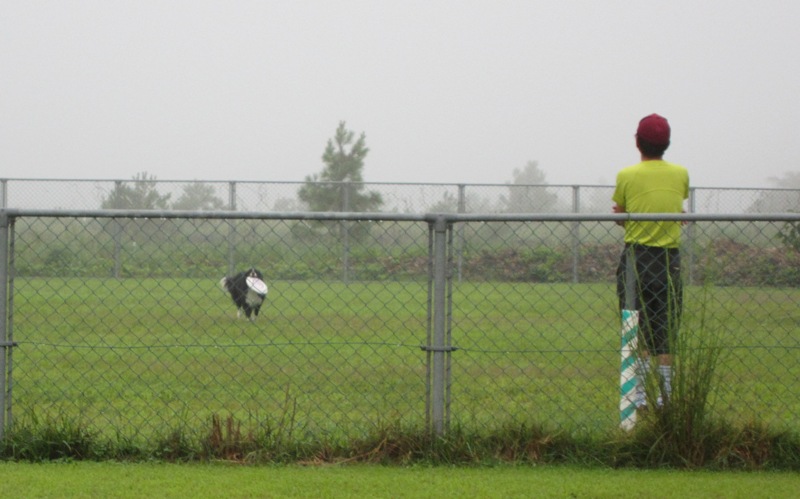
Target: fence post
628 378
462 208
231 229
576 233
439 346
117 229
5 342
690 238
344 227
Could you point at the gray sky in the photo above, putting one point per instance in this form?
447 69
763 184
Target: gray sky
446 91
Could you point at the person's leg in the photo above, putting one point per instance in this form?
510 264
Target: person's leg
673 291
653 291
665 308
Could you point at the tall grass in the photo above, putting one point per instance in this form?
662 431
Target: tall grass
679 429
225 438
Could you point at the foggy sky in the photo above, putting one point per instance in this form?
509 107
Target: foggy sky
445 91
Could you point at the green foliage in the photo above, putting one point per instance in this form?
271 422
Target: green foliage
721 446
726 262
175 445
525 265
790 235
58 257
55 438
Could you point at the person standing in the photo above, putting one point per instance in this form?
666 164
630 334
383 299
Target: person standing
653 186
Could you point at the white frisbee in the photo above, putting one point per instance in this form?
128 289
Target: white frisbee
257 285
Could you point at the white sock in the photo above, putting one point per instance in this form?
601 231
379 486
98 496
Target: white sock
666 379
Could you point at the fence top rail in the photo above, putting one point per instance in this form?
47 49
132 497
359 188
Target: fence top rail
401 217
600 217
367 183
222 214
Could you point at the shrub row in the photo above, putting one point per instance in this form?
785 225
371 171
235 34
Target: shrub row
723 263
650 445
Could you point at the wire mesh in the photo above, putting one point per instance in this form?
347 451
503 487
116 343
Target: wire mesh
120 321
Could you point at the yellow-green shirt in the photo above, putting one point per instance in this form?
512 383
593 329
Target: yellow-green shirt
654 186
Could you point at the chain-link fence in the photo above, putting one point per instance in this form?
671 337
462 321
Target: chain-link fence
417 198
117 318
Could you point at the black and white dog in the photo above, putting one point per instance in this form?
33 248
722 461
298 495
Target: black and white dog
247 290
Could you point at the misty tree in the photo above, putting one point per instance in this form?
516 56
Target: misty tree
785 198
595 199
527 191
288 204
198 196
473 203
339 187
141 194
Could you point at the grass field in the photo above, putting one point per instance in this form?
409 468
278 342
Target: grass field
126 480
142 357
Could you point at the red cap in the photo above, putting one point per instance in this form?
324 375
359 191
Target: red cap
654 129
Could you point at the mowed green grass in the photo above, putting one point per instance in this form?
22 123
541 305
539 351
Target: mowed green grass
138 357
128 480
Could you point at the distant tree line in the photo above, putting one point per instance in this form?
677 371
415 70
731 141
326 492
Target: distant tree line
142 194
340 187
343 159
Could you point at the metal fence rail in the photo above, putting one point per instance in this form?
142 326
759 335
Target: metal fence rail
116 319
397 197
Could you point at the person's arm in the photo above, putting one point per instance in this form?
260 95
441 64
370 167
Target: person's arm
619 209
